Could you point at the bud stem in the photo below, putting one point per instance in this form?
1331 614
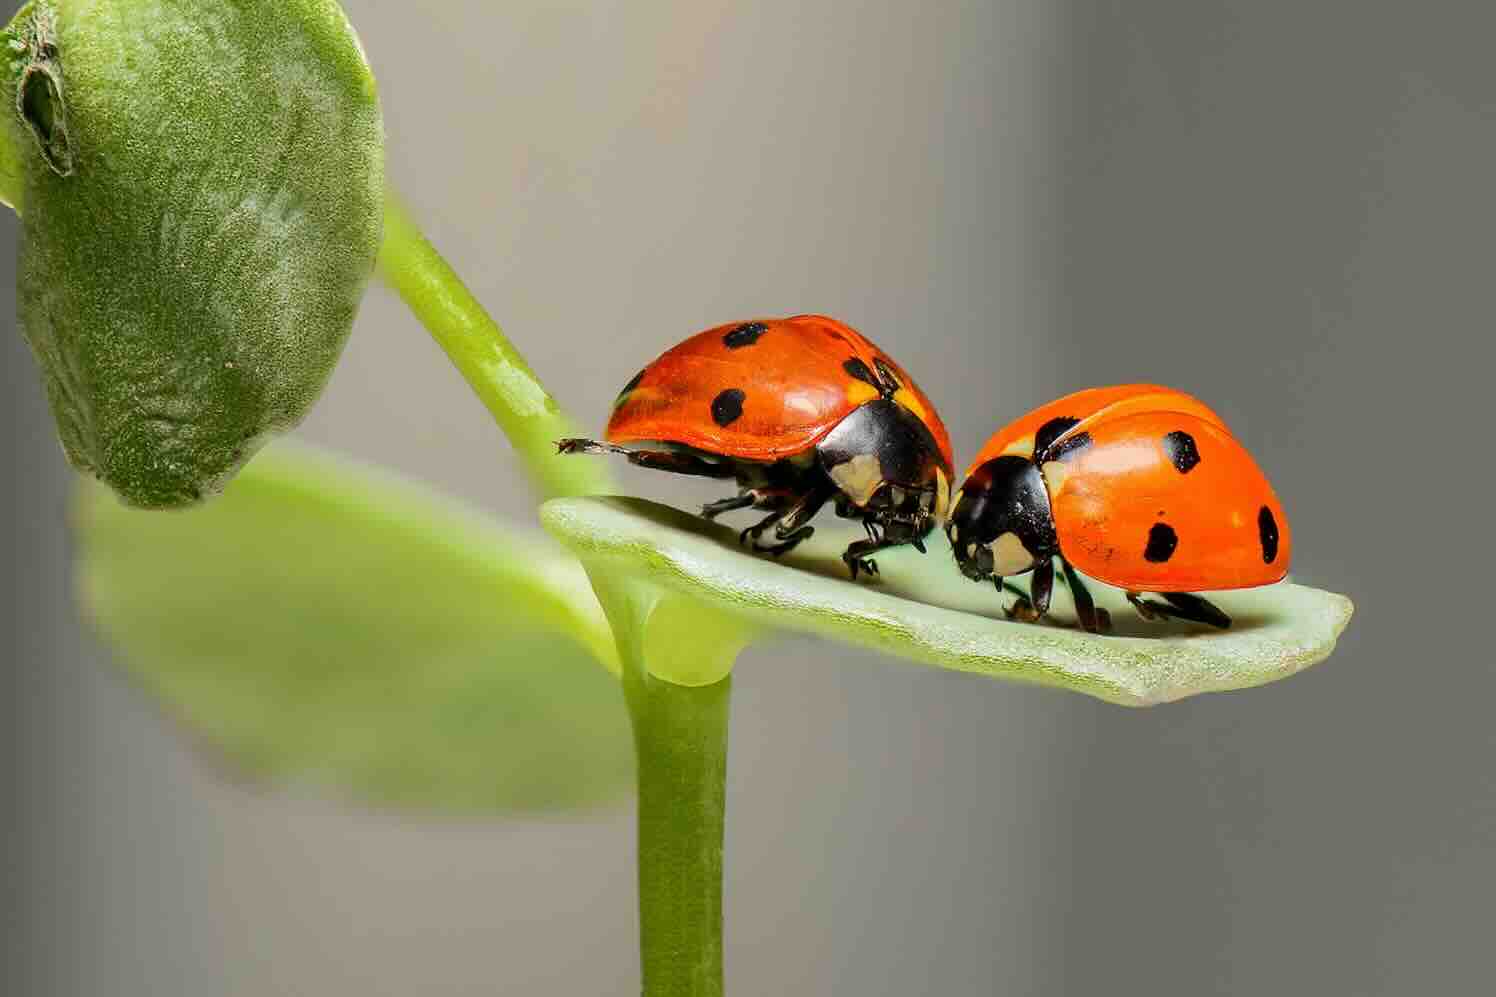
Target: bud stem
494 369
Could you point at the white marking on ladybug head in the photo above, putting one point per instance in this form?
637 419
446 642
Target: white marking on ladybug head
1010 556
860 477
942 494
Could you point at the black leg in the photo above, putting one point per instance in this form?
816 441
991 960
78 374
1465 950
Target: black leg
1182 606
790 541
1030 607
656 460
1188 606
789 524
1042 587
759 528
856 559
1085 606
714 509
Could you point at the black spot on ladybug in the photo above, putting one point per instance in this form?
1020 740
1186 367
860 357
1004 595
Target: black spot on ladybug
1162 540
727 406
1267 532
633 383
859 370
1180 448
1070 446
1048 433
744 335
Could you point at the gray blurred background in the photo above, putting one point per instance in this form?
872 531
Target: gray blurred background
1283 207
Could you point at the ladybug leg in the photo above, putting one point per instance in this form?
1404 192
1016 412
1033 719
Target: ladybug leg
792 539
856 559
790 525
1182 606
714 509
759 528
655 460
1147 610
1032 608
855 556
1091 620
1187 606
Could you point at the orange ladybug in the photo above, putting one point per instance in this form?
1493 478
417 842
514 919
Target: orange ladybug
1137 486
800 411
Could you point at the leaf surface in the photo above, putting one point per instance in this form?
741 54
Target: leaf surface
923 609
330 628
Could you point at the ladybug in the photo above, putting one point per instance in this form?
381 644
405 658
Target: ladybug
1137 486
799 411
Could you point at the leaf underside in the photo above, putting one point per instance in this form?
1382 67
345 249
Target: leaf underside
923 609
329 629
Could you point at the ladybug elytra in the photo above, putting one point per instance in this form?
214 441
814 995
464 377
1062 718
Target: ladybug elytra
1137 486
800 412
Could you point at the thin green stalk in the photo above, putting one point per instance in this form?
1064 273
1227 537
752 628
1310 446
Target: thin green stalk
680 739
497 373
680 732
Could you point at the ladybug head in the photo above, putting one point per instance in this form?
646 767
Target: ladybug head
1001 523
888 468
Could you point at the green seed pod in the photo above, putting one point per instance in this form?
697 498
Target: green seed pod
202 191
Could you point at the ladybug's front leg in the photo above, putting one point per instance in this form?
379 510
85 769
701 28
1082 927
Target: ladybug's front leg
1031 609
856 559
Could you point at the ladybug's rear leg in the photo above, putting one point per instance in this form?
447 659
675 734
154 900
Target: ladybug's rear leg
656 460
1182 606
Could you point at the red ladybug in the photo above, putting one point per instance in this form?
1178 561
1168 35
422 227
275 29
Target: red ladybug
1137 486
800 411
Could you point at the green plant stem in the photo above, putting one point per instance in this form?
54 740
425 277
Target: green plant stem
498 374
680 739
680 732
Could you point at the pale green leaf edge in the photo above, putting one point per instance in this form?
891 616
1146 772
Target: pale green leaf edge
1281 629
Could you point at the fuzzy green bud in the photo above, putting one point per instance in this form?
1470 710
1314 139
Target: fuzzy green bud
201 191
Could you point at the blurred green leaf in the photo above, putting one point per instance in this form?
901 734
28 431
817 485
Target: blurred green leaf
923 609
326 627
203 192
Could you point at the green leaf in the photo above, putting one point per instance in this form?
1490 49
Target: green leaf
327 627
203 191
923 609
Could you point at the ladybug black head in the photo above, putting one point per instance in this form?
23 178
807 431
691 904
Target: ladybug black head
888 468
1001 522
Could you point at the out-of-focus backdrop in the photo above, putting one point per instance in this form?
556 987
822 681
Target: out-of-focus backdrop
1285 208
